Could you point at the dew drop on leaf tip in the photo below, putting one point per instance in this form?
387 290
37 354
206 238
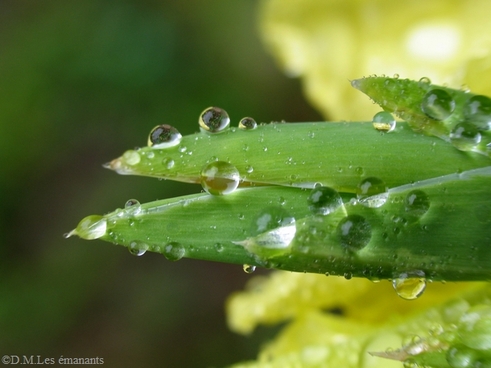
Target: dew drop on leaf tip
214 120
219 178
91 227
164 136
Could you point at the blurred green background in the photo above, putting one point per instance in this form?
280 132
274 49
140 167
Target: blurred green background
80 82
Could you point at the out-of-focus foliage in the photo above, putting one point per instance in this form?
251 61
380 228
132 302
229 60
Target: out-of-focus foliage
328 42
78 82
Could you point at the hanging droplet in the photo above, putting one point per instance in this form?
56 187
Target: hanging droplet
247 124
410 286
372 192
248 268
164 136
465 136
416 203
477 111
174 251
438 104
384 121
214 120
91 227
137 249
354 232
220 178
132 207
324 200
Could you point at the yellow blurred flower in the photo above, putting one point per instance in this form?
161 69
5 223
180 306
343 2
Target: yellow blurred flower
326 43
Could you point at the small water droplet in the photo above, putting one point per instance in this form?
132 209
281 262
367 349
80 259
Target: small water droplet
417 203
372 192
168 163
131 157
324 200
438 104
384 121
91 227
425 80
465 136
214 120
395 76
248 268
219 247
137 248
410 285
354 232
249 169
247 124
174 251
220 178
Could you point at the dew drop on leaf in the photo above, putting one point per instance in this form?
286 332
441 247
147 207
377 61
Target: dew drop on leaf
168 163
324 200
220 178
131 157
465 136
354 232
132 207
372 192
164 136
174 251
91 227
410 286
214 120
247 124
425 80
137 249
248 268
416 203
477 110
384 121
438 104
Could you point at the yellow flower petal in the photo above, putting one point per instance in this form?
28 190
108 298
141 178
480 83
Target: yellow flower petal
327 43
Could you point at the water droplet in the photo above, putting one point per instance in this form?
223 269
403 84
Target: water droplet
220 178
132 207
395 76
417 203
425 80
461 357
372 192
163 136
248 268
410 285
91 227
137 248
438 104
354 232
131 157
174 251
168 163
249 169
214 120
477 111
247 124
324 200
384 121
219 247
465 136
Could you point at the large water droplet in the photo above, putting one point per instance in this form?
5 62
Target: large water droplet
132 207
248 268
164 136
247 124
372 192
465 136
324 200
417 203
220 178
354 232
174 251
477 111
438 104
91 227
410 285
137 248
384 121
214 120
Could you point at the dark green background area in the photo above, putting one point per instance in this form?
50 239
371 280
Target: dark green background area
80 82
